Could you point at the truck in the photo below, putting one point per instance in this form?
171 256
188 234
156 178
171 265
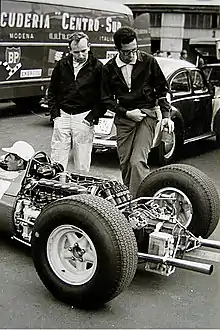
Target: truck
34 35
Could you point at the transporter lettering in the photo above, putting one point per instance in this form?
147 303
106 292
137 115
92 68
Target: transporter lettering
27 20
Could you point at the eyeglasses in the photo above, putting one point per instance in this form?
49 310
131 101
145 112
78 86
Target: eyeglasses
129 52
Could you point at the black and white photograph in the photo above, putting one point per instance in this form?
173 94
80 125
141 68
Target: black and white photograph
109 164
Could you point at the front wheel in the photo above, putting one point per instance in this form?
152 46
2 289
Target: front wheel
84 250
197 199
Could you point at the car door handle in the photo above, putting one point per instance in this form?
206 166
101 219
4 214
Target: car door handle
196 100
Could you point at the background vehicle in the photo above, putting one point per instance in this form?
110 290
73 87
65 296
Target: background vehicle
87 234
33 36
194 111
206 48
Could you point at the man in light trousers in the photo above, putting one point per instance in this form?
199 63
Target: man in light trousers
73 99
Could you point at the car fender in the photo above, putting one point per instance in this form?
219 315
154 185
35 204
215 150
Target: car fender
175 115
215 110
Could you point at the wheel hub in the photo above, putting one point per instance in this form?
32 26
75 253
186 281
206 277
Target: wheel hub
182 204
77 251
71 254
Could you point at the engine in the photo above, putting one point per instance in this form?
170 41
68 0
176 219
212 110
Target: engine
38 191
154 220
35 195
158 232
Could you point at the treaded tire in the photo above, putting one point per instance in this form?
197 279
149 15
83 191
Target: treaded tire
196 185
114 241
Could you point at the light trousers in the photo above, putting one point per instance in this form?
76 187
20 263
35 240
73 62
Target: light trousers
69 131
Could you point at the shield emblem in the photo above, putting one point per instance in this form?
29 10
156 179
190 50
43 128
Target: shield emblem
13 56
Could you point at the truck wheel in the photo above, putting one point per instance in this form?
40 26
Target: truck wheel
84 250
197 198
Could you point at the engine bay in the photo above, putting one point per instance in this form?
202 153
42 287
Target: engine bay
160 222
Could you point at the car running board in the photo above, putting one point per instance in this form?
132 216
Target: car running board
200 137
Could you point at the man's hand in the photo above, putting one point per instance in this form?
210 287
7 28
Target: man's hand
135 115
167 122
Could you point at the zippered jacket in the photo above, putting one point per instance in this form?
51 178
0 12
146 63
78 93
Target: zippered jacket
148 87
78 95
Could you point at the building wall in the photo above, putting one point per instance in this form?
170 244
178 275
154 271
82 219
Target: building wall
173 23
172 32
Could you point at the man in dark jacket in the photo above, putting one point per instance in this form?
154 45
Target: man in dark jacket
73 99
134 87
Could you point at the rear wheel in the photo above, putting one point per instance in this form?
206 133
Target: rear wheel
84 250
197 199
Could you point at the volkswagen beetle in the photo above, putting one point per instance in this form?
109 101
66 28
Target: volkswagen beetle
195 110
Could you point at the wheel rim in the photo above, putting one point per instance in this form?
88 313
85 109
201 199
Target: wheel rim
169 147
183 205
71 254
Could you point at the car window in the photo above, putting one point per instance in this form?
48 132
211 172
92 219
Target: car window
180 83
197 81
213 76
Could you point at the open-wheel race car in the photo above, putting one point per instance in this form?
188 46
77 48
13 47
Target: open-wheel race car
88 234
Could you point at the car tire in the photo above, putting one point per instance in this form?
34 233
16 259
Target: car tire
107 238
166 153
195 185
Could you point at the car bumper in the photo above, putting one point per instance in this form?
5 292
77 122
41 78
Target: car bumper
104 144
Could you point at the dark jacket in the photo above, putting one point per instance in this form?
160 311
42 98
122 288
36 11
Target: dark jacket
148 87
78 95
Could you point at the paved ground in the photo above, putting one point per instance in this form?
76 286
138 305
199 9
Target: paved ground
184 300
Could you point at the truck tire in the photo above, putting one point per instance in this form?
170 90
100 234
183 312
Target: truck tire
84 250
190 184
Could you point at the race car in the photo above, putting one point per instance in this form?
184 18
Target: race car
88 234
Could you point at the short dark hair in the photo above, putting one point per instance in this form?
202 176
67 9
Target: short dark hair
124 35
77 36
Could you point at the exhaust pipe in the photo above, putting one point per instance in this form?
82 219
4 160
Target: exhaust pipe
184 264
210 243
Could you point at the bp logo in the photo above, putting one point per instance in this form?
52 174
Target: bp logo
12 60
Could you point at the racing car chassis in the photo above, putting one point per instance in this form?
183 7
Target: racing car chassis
88 234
